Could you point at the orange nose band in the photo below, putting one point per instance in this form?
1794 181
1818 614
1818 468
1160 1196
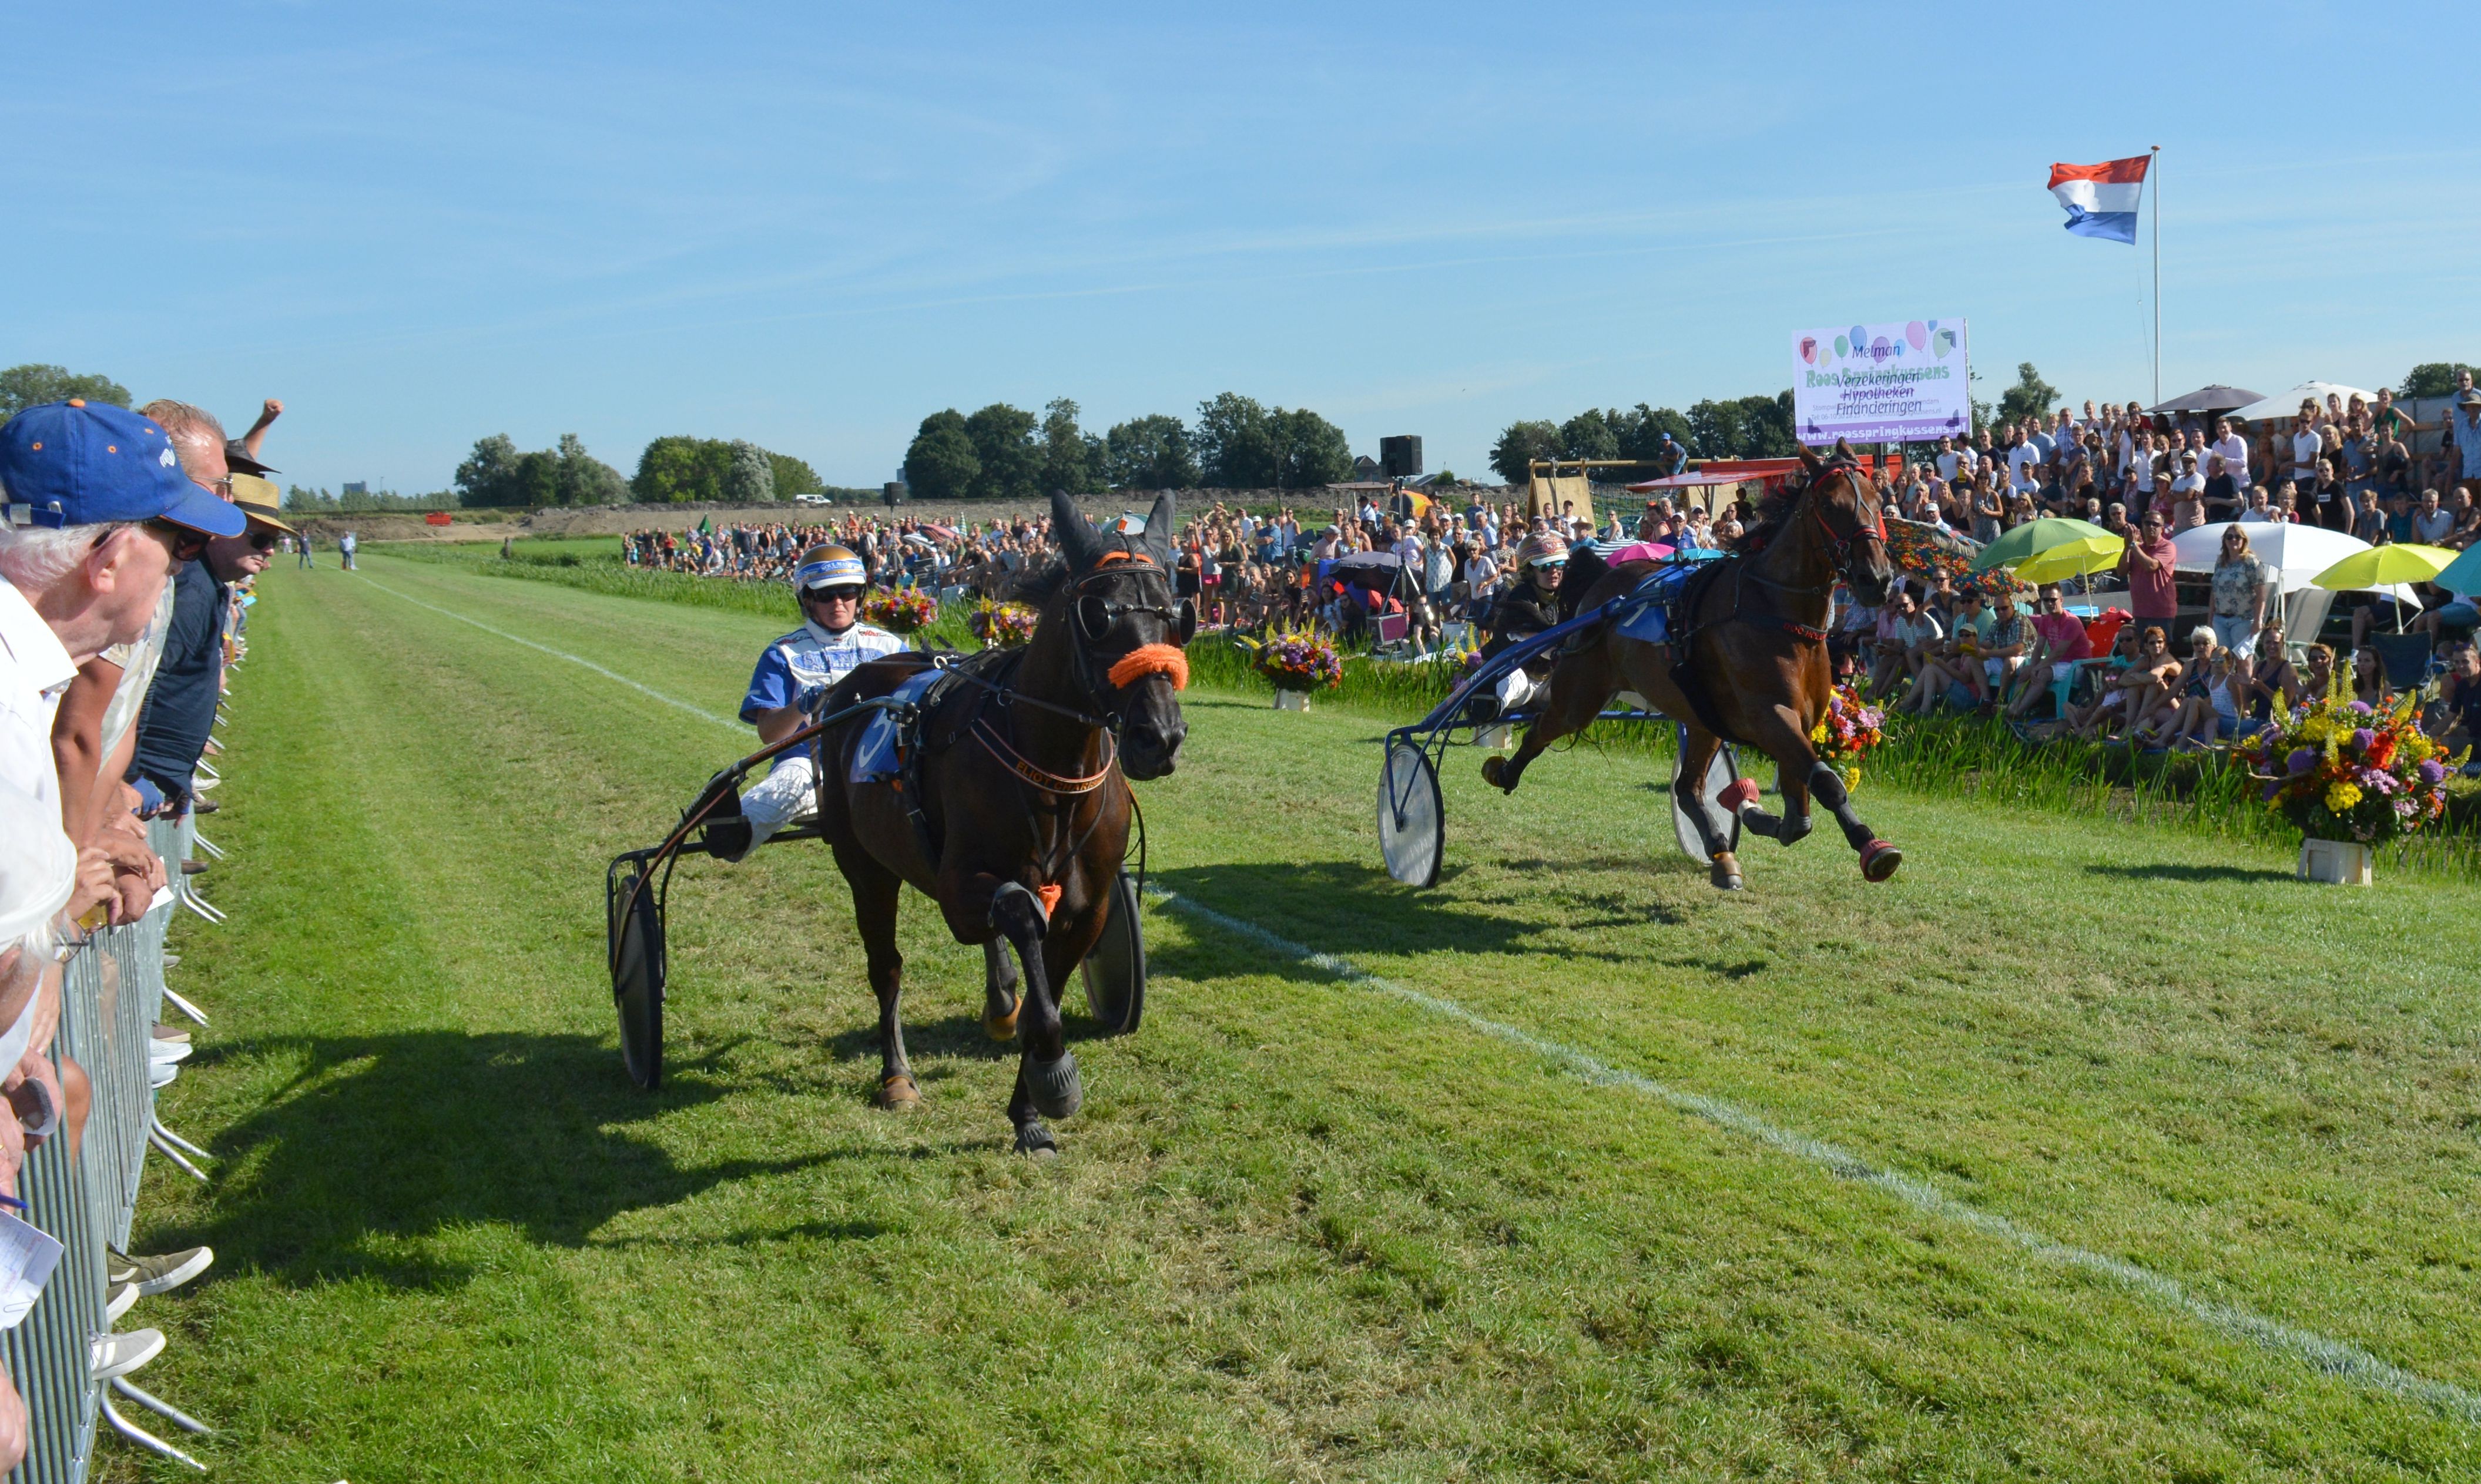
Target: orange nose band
1151 659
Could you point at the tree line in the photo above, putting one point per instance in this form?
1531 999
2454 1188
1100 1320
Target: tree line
1006 452
673 470
1736 427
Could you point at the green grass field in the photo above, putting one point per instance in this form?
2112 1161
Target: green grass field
1306 1228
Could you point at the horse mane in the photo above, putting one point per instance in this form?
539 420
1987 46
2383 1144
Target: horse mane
1039 580
1774 512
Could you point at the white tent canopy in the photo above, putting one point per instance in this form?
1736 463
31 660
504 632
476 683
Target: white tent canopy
2287 404
2294 553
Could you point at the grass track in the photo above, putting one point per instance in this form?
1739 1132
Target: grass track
1302 1231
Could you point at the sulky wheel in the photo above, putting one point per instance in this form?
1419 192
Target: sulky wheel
637 958
1115 967
1410 815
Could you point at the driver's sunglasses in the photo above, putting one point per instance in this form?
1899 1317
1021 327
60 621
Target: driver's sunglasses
187 545
263 540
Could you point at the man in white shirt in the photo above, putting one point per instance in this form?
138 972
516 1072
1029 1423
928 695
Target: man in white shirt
2235 450
1951 459
2024 454
2306 446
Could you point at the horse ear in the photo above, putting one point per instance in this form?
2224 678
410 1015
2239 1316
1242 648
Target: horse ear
1809 457
1159 529
1077 540
1843 451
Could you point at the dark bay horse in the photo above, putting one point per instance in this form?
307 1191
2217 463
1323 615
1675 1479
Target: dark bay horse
1746 658
1024 795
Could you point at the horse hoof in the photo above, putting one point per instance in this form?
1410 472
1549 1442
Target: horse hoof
1742 793
1034 1141
1001 1027
1492 768
899 1091
1879 860
1054 1086
1725 873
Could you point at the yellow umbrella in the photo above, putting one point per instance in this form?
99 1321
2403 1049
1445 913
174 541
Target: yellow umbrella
2074 558
2384 567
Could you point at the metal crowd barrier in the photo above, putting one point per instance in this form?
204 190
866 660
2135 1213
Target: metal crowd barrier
113 992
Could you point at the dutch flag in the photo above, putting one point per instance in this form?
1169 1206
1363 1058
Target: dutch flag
2102 198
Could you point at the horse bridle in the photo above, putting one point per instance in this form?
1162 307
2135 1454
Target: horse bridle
1092 616
1841 545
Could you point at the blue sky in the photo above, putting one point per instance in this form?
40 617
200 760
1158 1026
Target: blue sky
810 227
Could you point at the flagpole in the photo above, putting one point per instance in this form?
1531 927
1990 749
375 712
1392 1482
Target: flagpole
2155 178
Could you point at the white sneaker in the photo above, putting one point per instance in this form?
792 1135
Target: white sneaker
160 1274
160 1074
117 1355
161 1051
118 1304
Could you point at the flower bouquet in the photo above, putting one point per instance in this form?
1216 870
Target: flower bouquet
1846 734
899 610
2341 770
999 625
1298 661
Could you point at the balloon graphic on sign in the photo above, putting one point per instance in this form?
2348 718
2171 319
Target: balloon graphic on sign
1941 343
1860 339
1809 348
1917 334
1842 347
1880 350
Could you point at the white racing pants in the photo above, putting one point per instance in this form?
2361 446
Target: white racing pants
786 792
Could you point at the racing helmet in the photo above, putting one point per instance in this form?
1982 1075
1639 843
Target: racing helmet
827 569
1543 549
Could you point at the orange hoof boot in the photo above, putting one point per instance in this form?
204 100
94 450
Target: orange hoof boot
1724 873
898 1091
1001 1027
1879 860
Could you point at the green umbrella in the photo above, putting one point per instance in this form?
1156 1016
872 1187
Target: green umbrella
2059 543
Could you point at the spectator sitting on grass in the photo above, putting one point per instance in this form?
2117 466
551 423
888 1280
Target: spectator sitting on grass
2456 715
2171 708
2060 644
2128 696
2214 715
1950 665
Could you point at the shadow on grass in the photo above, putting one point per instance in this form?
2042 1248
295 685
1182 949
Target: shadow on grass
2163 870
1347 906
418 1133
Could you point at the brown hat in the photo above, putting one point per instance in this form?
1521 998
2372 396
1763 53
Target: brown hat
258 499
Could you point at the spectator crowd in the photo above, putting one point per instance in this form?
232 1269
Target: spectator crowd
1408 569
127 561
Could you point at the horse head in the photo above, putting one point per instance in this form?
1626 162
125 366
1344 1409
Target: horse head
1844 502
1127 630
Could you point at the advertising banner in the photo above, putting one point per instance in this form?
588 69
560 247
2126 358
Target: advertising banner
1903 382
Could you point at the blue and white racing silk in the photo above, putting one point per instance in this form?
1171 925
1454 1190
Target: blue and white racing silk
804 664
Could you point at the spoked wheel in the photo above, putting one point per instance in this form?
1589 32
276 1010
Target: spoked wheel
1115 967
636 948
1720 774
1411 820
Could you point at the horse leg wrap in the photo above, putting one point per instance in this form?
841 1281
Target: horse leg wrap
1054 1086
1015 900
1826 786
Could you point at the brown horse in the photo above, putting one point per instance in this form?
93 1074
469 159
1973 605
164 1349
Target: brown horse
1022 795
1746 660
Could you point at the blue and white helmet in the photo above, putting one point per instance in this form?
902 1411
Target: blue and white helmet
826 568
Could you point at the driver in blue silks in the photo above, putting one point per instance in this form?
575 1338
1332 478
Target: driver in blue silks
799 669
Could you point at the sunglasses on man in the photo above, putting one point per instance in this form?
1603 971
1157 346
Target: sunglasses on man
187 545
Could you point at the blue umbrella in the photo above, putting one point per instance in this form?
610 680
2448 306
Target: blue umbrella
2462 576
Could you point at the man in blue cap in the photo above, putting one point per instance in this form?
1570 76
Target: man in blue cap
99 516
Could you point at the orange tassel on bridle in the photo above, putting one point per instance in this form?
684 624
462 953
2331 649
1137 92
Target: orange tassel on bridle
1151 659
